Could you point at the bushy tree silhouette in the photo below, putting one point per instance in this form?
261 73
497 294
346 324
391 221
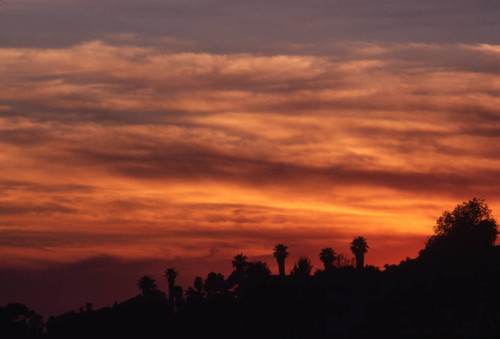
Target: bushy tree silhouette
342 260
280 253
468 229
257 271
214 284
198 284
359 247
18 321
196 292
302 268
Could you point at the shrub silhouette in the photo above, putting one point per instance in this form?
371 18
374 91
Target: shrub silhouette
302 268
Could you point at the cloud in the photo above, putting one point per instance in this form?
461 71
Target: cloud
11 185
146 153
135 135
9 209
219 26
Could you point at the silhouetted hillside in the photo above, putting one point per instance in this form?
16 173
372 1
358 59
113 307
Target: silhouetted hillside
449 291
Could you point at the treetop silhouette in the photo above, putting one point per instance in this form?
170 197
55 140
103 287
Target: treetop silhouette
327 256
240 262
146 284
171 274
280 253
214 284
469 228
257 271
302 268
359 247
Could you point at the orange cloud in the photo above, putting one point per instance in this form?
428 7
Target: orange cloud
135 152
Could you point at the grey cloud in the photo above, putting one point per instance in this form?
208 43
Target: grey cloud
228 26
51 239
188 162
25 137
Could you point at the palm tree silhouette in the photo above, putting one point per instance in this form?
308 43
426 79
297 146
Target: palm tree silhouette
170 275
146 284
280 253
359 247
240 263
327 256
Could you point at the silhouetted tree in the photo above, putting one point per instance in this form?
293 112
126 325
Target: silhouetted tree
18 321
191 294
302 268
240 264
170 275
359 247
327 256
146 284
257 271
280 253
178 297
342 260
197 292
214 283
89 307
469 228
198 284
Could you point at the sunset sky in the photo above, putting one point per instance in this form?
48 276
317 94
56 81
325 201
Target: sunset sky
136 135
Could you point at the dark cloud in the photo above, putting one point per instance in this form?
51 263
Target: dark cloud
218 225
62 238
7 208
483 131
228 26
37 187
25 137
190 162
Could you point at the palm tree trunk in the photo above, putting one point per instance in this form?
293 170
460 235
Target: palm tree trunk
171 291
281 267
360 260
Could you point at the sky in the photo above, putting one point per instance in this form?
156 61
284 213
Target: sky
140 135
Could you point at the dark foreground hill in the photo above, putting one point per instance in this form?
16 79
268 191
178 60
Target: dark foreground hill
452 298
